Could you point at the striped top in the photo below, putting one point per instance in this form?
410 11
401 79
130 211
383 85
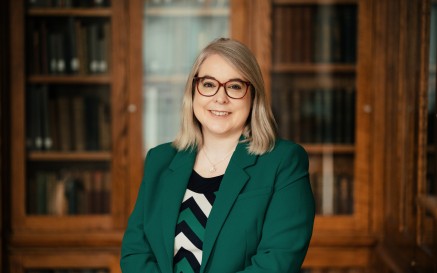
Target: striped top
193 215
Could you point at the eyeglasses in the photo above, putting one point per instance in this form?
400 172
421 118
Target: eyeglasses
208 87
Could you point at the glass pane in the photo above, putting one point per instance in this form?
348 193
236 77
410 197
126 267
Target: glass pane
432 114
68 45
68 111
429 227
174 32
314 94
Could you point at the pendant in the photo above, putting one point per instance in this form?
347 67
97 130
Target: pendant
212 169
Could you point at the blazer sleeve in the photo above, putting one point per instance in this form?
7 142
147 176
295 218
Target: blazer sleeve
136 253
289 219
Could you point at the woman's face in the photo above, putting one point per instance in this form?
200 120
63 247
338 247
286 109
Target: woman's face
220 115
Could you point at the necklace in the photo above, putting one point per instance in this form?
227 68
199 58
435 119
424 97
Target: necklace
213 169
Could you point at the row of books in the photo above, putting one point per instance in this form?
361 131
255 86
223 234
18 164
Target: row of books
162 107
67 121
333 193
69 46
69 193
316 115
314 33
172 43
68 3
190 3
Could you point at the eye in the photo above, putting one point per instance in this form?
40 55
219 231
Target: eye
235 86
208 84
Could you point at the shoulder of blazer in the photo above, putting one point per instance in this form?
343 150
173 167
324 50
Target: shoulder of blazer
288 148
162 154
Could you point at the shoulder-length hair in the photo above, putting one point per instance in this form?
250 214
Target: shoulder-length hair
260 129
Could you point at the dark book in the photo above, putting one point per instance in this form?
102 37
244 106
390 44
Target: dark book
285 115
338 115
31 196
30 118
71 47
278 34
296 121
349 125
327 115
78 123
91 123
307 116
64 123
92 48
45 59
319 115
348 28
104 116
41 193
307 34
45 119
35 65
38 118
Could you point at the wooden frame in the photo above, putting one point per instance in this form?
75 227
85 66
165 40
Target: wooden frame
43 229
64 260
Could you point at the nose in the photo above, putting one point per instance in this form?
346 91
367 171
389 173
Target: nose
221 96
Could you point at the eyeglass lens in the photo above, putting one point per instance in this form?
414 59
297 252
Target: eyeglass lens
208 87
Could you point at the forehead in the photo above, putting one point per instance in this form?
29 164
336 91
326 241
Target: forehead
218 67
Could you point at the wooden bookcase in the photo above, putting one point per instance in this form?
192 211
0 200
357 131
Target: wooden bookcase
316 69
362 152
68 171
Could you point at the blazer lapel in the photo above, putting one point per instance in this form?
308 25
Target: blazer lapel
233 182
175 181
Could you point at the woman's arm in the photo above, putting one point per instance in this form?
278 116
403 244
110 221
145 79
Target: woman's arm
136 253
289 218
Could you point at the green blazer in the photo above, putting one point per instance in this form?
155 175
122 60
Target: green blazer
261 221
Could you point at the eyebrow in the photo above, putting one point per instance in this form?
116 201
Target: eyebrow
211 77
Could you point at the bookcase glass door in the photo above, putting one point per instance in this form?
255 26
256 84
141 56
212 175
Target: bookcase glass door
68 108
314 94
174 32
429 225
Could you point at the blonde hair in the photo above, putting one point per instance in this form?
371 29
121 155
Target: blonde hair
260 129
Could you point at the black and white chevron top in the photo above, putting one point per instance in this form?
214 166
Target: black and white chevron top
190 228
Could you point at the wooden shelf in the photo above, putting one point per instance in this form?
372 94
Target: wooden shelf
313 2
329 148
314 68
81 12
186 11
429 203
70 79
69 156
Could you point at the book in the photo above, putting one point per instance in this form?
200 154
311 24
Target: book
91 123
47 142
78 123
64 123
104 123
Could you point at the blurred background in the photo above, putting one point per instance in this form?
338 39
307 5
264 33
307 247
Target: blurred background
88 86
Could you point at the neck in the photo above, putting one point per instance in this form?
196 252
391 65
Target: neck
217 147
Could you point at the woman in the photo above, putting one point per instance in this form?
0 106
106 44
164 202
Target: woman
226 196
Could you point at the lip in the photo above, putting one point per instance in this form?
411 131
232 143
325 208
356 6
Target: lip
218 113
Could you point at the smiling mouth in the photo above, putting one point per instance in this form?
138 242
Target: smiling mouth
219 113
